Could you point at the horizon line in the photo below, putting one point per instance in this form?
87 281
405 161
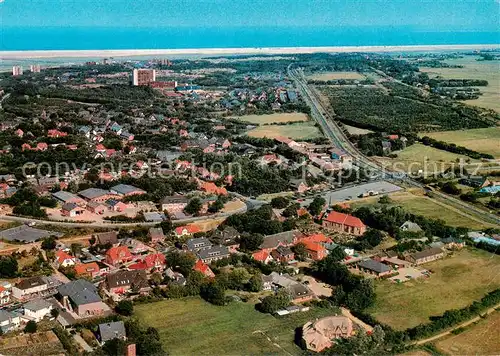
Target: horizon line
83 53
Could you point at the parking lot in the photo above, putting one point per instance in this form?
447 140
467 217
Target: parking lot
346 194
408 273
26 234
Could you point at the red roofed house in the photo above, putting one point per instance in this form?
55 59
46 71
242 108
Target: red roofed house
315 251
41 146
341 222
203 268
118 255
90 269
56 133
262 256
25 147
19 133
64 259
154 261
211 188
186 230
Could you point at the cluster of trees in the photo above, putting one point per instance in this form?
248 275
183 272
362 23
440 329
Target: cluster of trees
351 290
259 221
457 83
8 266
374 109
271 304
27 202
451 147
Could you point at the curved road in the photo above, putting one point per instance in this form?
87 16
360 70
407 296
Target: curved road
338 137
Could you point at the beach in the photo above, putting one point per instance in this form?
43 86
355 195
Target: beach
22 55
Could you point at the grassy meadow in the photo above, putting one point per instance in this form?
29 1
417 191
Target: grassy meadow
274 118
456 281
191 326
325 76
298 131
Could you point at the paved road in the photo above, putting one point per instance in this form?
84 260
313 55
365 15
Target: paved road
338 137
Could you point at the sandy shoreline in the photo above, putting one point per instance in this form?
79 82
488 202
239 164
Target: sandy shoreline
233 51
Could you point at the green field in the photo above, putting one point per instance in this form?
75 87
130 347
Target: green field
422 205
481 140
473 69
274 118
298 131
456 282
192 326
325 76
420 157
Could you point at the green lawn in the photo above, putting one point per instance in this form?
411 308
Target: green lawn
192 326
297 131
457 281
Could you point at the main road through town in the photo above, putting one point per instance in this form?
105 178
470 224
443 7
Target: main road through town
332 131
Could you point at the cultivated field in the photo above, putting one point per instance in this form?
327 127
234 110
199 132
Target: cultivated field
273 118
472 69
420 157
335 75
299 131
456 282
422 205
192 326
479 339
482 140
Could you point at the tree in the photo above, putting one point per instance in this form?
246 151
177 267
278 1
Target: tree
124 307
237 278
251 242
273 303
213 293
384 199
316 206
193 207
30 327
166 226
49 243
280 202
182 262
76 249
300 251
291 210
255 283
373 236
115 347
8 266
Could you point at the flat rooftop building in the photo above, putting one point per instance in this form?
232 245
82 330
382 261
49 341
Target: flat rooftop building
143 76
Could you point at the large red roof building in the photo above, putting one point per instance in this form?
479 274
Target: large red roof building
345 223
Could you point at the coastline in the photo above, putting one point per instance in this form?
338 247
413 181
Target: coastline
40 54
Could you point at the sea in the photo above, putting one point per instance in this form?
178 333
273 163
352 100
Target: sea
94 38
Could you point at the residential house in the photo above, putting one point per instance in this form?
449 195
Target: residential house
90 269
152 262
118 255
204 269
175 277
267 282
211 188
63 259
154 216
30 288
428 255
314 250
81 297
298 292
111 330
37 309
262 256
186 230
374 267
56 133
283 254
287 239
410 226
104 238
299 185
123 282
228 236
9 321
344 223
4 295
156 234
320 334
174 204
125 190
135 246
197 244
213 253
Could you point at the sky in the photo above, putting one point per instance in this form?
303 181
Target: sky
425 15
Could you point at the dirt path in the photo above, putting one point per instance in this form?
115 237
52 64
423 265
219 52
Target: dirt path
347 313
467 323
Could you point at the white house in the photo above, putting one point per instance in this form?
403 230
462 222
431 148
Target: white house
29 287
63 259
37 309
9 321
5 291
